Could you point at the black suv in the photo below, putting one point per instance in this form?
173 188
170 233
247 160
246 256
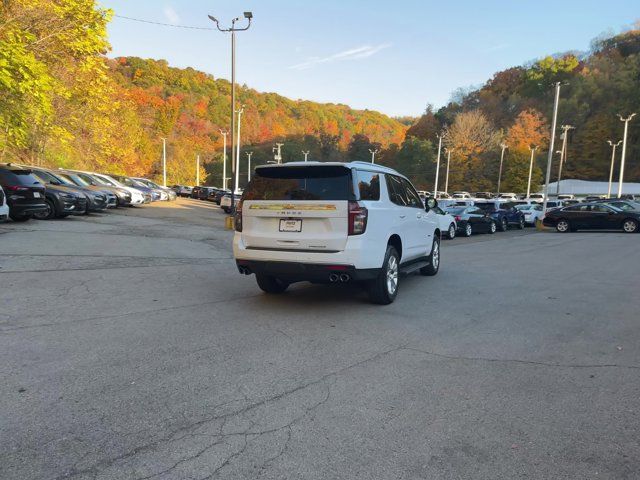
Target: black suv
25 194
95 200
503 213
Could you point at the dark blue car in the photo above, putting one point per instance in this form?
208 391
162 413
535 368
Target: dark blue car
504 213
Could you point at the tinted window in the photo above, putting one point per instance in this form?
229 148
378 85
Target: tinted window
300 183
412 196
600 208
368 185
396 192
577 208
486 207
17 177
455 210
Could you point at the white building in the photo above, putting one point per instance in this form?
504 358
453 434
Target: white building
585 187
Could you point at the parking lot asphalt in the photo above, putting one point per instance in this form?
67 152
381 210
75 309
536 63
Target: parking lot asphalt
130 348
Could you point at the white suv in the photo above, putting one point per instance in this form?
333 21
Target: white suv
334 222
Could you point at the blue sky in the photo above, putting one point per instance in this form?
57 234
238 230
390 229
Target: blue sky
394 57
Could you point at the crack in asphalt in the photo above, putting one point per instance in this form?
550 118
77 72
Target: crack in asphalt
171 437
524 362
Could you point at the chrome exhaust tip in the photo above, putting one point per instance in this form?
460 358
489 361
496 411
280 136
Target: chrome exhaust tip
333 277
344 278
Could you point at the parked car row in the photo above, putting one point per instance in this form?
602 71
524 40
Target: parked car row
486 217
44 193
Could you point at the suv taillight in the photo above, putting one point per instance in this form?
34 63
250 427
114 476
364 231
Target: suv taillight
458 218
16 188
238 217
357 218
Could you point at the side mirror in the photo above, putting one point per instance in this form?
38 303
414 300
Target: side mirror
430 203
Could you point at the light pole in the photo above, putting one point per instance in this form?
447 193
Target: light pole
233 30
224 159
197 170
551 145
164 161
446 178
237 157
533 150
373 154
249 166
435 188
563 155
306 155
613 159
503 146
277 152
624 149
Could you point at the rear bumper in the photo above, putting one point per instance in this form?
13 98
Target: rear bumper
27 209
310 272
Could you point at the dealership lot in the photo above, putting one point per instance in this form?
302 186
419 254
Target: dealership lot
130 347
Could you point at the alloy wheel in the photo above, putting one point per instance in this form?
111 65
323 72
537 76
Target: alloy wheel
452 231
435 255
562 226
392 275
629 226
467 230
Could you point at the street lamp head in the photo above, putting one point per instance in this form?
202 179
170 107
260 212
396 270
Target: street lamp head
248 15
212 18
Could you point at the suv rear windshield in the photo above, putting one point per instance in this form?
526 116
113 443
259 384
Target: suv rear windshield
300 183
17 177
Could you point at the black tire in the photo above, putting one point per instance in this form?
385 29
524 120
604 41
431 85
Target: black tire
380 289
19 218
504 225
49 213
492 228
468 230
451 232
434 260
563 225
269 284
521 224
630 225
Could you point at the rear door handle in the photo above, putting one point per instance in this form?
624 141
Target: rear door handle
418 215
402 216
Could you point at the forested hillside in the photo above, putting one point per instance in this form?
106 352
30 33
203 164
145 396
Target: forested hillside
63 102
515 106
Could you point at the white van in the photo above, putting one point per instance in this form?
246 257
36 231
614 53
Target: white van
334 223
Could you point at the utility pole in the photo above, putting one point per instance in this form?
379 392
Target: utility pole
197 170
373 154
551 145
446 181
563 156
224 159
613 159
249 166
435 188
503 146
277 152
164 161
237 159
624 149
533 149
233 30
306 155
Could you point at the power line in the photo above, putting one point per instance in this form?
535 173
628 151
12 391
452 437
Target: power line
163 24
